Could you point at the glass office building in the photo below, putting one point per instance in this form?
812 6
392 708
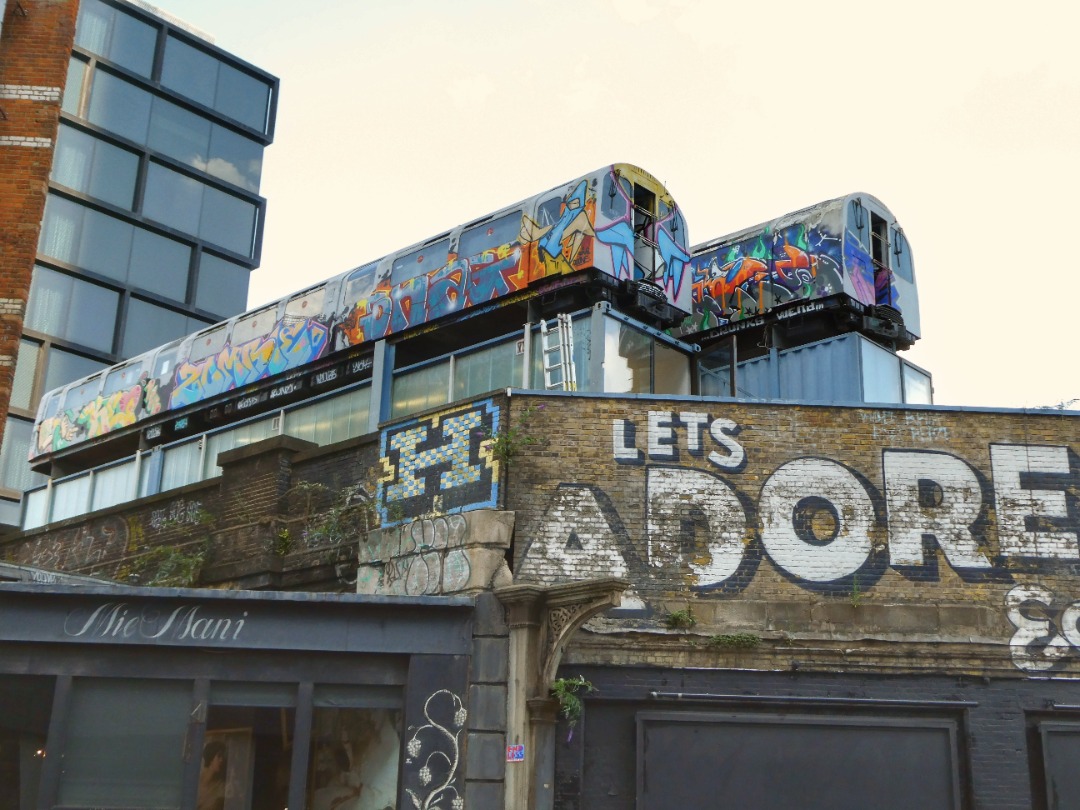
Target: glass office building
153 219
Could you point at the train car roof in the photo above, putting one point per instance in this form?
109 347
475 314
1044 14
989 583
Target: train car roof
771 224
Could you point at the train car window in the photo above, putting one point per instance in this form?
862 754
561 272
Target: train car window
360 283
123 378
489 235
856 222
254 325
52 404
79 396
902 256
306 305
549 212
420 262
208 343
614 203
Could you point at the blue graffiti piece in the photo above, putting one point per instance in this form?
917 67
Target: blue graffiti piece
409 303
620 238
859 269
573 204
446 289
375 322
489 281
674 258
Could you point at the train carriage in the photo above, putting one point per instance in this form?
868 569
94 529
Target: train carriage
849 253
614 234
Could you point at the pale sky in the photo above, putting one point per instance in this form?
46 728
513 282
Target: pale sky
398 120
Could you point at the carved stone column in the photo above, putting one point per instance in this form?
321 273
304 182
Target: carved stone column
542 621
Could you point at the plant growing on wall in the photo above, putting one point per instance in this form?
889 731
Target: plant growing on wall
681 619
168 566
513 438
567 692
735 641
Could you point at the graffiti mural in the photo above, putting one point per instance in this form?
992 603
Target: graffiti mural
101 415
770 268
439 464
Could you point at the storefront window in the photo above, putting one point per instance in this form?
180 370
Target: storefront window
354 759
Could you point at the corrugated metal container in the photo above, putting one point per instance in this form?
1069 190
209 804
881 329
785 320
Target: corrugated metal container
844 369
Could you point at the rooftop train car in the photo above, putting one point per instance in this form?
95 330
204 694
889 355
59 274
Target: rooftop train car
838 266
613 235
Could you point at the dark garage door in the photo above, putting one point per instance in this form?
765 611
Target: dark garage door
717 760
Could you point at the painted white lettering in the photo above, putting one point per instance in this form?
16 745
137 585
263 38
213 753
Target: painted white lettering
954 484
1016 503
695 424
661 434
1031 629
671 495
621 444
786 489
720 430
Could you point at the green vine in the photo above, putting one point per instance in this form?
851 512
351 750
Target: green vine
167 566
566 691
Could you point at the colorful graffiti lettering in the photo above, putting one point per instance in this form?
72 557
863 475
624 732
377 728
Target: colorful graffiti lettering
99 416
291 343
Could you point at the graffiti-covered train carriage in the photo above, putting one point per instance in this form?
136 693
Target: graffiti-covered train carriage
615 234
840 265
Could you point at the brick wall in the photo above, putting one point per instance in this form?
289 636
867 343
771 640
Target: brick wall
34 51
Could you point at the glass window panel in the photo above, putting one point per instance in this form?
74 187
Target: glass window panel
627 359
112 175
420 389
489 235
80 395
181 465
172 198
63 367
76 75
306 305
71 309
354 752
246 757
132 44
74 154
135 763
917 387
359 283
254 325
242 96
672 370
881 374
113 485
106 245
149 326
92 28
15 471
159 264
419 262
122 378
208 343
119 107
228 221
235 159
179 133
36 514
222 287
61 229
22 387
486 370
189 71
71 498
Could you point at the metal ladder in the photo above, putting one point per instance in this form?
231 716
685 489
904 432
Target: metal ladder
557 346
